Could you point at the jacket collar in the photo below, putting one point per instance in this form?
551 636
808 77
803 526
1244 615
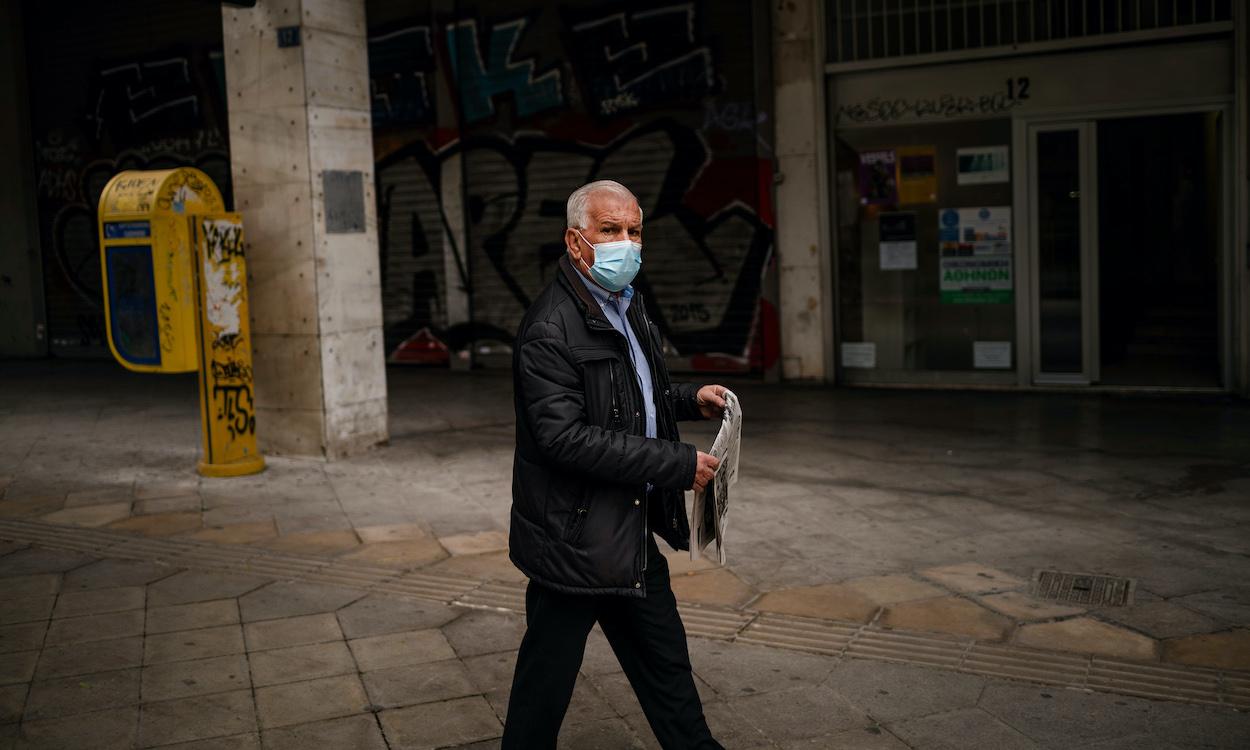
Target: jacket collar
590 306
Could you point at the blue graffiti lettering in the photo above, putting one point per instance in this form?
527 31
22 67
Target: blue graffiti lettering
480 81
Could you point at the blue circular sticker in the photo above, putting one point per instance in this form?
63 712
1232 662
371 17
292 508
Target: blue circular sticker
950 218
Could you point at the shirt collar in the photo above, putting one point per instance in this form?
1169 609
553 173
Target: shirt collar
603 296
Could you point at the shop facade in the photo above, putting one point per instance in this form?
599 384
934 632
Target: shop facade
1037 194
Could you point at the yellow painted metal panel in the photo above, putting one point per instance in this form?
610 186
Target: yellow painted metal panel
227 408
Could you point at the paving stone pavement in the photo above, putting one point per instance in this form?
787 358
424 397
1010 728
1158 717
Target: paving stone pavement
917 510
123 653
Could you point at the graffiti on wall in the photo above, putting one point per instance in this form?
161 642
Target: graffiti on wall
639 58
479 213
153 112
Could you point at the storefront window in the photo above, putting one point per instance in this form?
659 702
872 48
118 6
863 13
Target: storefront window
926 257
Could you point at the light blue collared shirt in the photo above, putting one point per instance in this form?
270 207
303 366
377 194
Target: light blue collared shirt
614 306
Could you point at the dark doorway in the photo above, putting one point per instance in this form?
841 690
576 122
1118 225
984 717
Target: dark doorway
1158 256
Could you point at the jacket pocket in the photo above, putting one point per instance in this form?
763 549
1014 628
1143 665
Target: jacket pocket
577 521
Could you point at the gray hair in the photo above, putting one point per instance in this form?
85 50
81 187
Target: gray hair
575 212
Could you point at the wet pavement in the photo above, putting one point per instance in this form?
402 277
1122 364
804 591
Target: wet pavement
897 511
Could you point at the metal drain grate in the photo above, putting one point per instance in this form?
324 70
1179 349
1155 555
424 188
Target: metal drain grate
1083 588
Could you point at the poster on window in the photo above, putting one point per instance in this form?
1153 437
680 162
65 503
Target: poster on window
898 241
975 262
877 180
917 174
982 165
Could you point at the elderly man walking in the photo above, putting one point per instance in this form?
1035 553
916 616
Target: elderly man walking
598 467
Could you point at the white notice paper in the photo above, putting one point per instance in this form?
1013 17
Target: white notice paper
709 515
991 355
860 355
898 256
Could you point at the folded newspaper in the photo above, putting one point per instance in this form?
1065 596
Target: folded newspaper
708 517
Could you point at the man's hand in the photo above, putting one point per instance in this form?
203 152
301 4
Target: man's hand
704 470
711 400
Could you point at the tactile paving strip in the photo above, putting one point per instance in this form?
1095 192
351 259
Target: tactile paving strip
829 637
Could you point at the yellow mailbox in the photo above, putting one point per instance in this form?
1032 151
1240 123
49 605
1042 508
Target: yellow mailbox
175 300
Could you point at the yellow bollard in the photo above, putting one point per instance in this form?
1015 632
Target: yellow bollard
175 300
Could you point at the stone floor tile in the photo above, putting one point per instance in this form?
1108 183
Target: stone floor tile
799 712
893 692
892 589
105 574
717 587
1227 650
197 718
248 532
1232 605
947 614
960 730
433 725
160 524
201 586
89 515
98 496
608 732
378 615
17 666
329 543
298 663
246 741
489 566
483 631
1020 606
418 683
400 649
82 694
12 697
35 560
866 738
99 601
359 732
1161 619
192 616
1085 635
973 578
148 490
292 631
177 504
738 669
409 553
31 507
292 599
185 645
95 627
830 601
391 532
26 609
183 679
313 700
1055 717
491 672
476 543
32 586
85 658
111 729
22 636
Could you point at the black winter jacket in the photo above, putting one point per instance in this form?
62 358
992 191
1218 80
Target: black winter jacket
580 509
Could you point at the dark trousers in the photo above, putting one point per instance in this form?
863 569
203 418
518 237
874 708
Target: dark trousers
649 641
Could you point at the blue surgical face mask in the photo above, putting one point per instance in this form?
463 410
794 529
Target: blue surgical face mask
616 263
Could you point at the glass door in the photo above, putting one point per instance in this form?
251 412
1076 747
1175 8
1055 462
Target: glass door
1063 223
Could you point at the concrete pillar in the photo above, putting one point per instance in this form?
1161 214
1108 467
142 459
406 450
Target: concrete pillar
802 210
301 151
22 324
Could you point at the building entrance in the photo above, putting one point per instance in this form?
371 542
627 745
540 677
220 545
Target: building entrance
1126 224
